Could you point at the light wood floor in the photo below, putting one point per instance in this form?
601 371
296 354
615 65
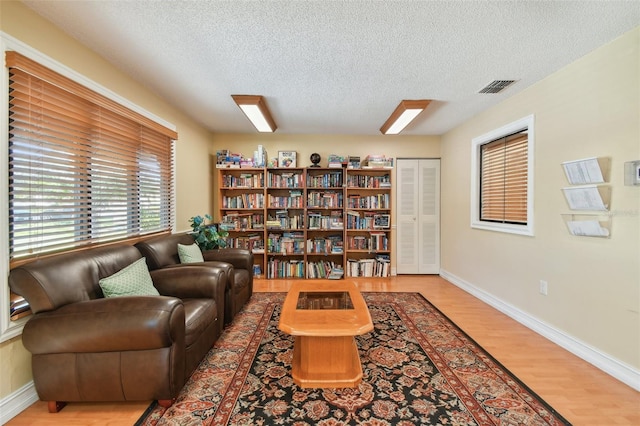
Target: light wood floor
580 392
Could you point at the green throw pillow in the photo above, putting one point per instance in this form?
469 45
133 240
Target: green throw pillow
133 280
190 253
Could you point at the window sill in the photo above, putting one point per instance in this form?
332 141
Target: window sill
11 329
504 227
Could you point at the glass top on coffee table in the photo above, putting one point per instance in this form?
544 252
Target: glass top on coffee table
314 300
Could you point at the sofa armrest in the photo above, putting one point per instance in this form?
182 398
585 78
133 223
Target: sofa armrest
106 325
239 258
191 281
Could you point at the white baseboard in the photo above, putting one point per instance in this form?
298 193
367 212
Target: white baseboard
619 370
16 402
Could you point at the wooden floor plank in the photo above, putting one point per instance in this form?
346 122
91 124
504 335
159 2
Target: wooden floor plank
583 394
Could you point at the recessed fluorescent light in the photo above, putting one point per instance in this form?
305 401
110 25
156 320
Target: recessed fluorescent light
255 108
403 115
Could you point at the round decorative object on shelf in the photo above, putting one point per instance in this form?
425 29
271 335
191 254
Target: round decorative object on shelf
315 159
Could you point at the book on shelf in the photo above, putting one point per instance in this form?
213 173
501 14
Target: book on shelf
324 269
378 267
273 224
257 269
237 221
336 273
336 224
376 161
335 161
353 162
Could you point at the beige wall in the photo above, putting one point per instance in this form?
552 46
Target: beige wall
587 109
590 108
193 192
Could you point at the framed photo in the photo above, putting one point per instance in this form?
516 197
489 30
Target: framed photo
287 159
381 221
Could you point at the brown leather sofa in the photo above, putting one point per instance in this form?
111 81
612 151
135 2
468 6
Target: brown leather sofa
162 252
89 348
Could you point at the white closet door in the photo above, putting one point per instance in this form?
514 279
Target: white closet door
429 217
407 222
418 211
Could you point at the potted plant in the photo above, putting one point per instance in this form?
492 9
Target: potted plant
207 235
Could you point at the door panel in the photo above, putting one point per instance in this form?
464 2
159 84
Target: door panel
407 207
418 207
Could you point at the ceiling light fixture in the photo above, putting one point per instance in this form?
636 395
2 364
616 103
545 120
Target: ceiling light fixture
403 115
255 108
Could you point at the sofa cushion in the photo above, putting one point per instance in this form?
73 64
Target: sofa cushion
162 251
133 280
190 253
242 279
198 315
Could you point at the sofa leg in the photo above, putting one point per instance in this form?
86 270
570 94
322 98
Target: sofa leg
165 403
55 406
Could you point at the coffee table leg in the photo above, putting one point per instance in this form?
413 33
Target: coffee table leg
326 362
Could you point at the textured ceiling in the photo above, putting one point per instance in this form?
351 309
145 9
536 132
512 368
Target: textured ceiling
338 67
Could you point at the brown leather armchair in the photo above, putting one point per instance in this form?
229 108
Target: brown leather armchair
89 348
162 252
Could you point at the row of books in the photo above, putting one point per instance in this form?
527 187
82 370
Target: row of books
319 221
378 267
243 201
285 180
226 158
377 201
244 180
328 180
376 241
287 219
324 199
284 220
255 243
294 200
360 220
236 221
332 244
366 181
325 269
329 245
295 268
286 243
285 268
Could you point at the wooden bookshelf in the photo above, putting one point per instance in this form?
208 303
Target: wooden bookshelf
368 222
309 222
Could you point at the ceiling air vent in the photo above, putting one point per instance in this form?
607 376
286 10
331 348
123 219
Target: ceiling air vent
496 86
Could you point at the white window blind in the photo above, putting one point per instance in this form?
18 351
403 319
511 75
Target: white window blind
82 169
503 179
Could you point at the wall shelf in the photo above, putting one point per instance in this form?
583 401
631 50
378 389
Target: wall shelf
587 170
588 225
588 197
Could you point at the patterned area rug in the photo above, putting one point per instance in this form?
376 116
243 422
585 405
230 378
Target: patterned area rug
419 369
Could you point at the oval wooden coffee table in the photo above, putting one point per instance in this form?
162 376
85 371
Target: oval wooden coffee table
324 317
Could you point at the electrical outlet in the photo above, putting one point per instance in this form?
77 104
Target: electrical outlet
544 287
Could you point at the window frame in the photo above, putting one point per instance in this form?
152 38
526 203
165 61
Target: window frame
8 328
525 123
